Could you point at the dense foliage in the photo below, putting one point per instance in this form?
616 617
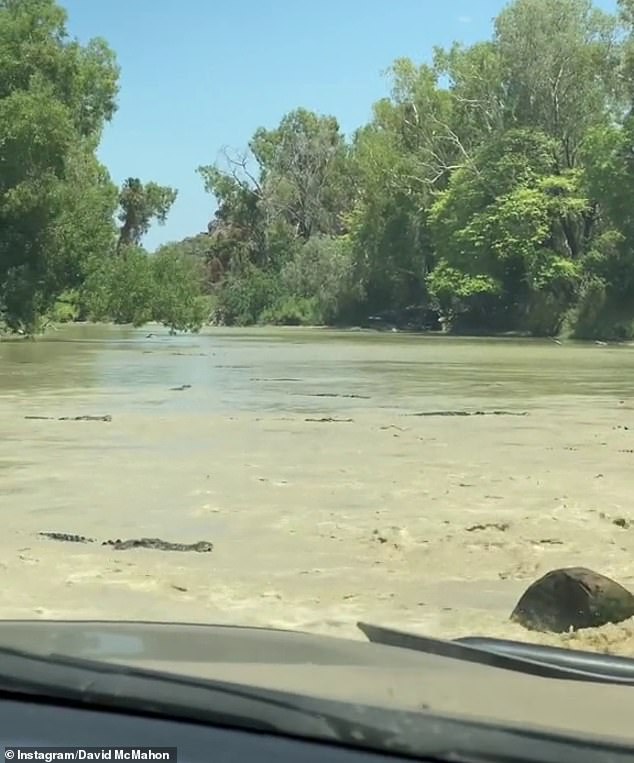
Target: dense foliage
492 191
62 254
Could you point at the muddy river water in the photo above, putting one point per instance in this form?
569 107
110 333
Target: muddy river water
301 456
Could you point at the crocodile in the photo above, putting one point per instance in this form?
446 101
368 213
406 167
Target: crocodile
201 546
157 544
67 537
106 418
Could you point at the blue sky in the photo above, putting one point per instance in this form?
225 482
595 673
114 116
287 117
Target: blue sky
199 75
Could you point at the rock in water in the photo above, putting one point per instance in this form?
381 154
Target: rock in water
573 598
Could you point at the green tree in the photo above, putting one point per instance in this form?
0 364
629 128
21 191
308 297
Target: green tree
55 96
237 231
401 159
139 206
510 231
120 289
477 95
137 288
303 172
607 305
560 67
179 302
494 184
84 230
322 276
294 183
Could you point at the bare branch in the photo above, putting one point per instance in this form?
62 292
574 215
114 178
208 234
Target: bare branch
238 164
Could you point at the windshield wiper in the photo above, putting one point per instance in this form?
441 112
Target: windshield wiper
532 659
120 688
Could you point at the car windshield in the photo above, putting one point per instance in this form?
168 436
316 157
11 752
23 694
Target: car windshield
313 314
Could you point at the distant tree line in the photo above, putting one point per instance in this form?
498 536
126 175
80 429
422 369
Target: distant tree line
492 191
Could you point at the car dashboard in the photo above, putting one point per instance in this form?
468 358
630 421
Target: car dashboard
29 724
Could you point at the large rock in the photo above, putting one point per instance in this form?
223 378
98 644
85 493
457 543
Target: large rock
573 598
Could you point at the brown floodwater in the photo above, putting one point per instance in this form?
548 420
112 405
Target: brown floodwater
299 454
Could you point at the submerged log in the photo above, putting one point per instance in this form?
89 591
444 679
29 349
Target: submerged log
572 598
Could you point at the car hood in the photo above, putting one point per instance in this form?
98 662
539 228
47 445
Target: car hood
339 669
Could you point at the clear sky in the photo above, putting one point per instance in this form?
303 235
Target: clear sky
199 75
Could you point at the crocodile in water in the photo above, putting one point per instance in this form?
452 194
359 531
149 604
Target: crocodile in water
201 546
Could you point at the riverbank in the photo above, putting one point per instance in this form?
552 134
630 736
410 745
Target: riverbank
353 329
